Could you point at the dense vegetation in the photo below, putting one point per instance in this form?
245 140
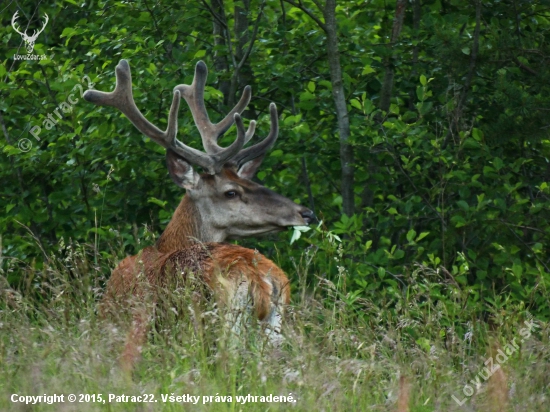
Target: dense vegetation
417 130
332 360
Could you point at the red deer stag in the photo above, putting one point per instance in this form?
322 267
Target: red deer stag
221 203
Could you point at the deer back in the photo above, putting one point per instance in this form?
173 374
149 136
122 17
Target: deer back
219 266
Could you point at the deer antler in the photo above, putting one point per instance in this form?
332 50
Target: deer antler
215 157
35 33
210 133
260 149
15 17
194 96
122 99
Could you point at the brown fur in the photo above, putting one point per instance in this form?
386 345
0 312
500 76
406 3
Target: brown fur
183 229
218 265
404 394
497 386
134 284
212 263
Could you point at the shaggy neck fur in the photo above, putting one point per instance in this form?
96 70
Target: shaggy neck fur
184 230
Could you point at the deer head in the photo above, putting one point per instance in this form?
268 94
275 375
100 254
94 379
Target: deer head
222 202
29 40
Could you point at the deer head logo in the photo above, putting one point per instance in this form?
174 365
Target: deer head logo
29 40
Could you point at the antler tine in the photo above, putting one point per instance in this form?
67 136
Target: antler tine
250 131
15 17
36 32
47 19
227 121
237 145
261 148
194 96
122 99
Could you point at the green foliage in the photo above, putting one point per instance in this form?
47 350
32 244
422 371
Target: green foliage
452 178
51 337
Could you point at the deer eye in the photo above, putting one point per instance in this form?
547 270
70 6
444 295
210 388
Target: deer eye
231 194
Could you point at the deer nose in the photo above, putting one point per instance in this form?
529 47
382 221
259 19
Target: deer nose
308 216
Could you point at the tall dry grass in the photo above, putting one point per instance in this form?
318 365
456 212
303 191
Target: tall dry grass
336 356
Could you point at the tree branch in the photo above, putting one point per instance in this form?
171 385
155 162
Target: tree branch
471 70
387 86
214 14
253 39
339 96
307 11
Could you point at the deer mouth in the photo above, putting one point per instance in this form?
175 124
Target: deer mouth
237 234
309 217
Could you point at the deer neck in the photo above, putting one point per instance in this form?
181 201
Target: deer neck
185 229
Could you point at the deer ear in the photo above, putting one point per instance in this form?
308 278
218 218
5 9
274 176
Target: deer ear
249 169
181 171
